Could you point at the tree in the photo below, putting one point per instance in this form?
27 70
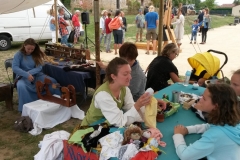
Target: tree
210 4
236 2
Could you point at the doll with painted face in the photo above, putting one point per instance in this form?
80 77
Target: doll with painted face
131 134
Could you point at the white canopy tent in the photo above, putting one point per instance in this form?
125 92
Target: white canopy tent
9 6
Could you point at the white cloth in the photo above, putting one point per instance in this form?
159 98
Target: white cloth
113 114
130 152
52 145
46 114
111 144
179 29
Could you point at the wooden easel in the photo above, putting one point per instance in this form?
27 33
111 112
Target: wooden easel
167 23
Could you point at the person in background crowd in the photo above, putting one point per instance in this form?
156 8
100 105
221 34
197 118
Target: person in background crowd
102 26
129 52
63 31
194 31
200 19
118 33
27 65
124 29
179 29
145 10
220 138
52 25
151 23
76 25
139 20
108 33
206 21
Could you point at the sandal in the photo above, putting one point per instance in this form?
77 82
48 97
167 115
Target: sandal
194 42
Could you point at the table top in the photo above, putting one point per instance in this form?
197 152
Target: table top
184 117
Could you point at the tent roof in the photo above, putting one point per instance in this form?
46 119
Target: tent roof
9 6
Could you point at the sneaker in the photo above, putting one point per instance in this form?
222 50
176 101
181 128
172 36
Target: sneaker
190 42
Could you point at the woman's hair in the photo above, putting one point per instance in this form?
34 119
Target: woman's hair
128 51
169 49
207 10
227 109
37 54
127 133
113 67
117 13
151 8
109 14
50 12
237 72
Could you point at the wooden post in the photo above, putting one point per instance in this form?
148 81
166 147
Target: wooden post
56 19
160 27
97 42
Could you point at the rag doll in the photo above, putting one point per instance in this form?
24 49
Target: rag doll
131 134
153 133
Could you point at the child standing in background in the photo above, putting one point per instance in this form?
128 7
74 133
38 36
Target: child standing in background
194 31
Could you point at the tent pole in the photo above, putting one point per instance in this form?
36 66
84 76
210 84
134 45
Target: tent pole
56 19
97 41
160 27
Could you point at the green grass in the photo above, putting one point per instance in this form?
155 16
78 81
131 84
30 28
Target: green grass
23 146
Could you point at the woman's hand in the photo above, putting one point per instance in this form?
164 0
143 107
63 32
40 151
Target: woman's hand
30 78
201 81
142 101
162 104
180 129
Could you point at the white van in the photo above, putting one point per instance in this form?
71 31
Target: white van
30 23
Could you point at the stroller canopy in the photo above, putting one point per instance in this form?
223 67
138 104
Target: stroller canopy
205 62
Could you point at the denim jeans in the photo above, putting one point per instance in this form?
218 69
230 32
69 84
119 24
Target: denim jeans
194 36
101 37
64 40
108 41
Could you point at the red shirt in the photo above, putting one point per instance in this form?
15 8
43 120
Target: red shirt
107 21
75 21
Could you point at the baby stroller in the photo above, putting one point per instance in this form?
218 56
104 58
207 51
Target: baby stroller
207 66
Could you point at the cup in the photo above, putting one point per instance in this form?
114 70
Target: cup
175 96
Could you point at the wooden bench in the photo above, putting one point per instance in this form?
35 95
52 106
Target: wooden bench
6 95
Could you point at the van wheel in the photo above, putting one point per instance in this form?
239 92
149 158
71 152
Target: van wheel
5 43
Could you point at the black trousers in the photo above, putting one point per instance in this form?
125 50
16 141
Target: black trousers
204 34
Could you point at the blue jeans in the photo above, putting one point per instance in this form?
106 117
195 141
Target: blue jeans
64 40
108 41
194 36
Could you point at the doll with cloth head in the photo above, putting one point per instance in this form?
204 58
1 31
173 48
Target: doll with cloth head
153 133
132 135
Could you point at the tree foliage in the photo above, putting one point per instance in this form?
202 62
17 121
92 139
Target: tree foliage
236 2
133 6
210 4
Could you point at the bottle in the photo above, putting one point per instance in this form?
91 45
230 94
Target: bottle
187 77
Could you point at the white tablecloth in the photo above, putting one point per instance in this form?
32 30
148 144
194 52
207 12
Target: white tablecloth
46 114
